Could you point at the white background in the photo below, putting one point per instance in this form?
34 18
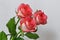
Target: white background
50 31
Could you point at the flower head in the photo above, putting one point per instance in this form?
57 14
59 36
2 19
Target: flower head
24 10
40 17
28 24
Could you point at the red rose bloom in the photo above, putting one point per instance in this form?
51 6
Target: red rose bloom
24 10
40 17
28 24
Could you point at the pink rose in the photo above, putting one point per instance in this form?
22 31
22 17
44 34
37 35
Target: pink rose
24 10
28 24
40 17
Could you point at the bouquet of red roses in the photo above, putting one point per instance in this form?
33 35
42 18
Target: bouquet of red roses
28 23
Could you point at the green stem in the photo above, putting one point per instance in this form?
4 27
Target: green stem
18 21
20 29
21 33
8 34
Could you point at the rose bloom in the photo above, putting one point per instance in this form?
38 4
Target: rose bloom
40 17
24 10
28 24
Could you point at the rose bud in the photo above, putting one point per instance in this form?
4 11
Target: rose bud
40 17
28 24
24 10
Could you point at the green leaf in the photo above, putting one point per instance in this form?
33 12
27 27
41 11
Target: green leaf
3 36
11 25
19 38
32 35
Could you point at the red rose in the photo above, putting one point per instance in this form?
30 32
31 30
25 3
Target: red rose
24 10
40 17
28 24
